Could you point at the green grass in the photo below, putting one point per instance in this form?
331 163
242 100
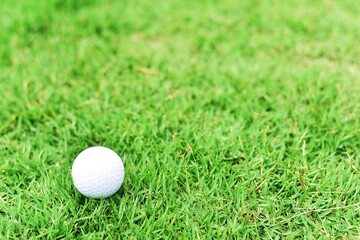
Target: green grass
233 118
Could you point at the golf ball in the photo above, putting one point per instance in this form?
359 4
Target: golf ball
98 172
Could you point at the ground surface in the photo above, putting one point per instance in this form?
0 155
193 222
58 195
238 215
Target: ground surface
233 118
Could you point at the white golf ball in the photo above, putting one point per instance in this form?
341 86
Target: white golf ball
98 172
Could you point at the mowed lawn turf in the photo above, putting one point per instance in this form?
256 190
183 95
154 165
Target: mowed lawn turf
233 118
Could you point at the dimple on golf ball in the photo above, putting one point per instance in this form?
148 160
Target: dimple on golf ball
98 172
